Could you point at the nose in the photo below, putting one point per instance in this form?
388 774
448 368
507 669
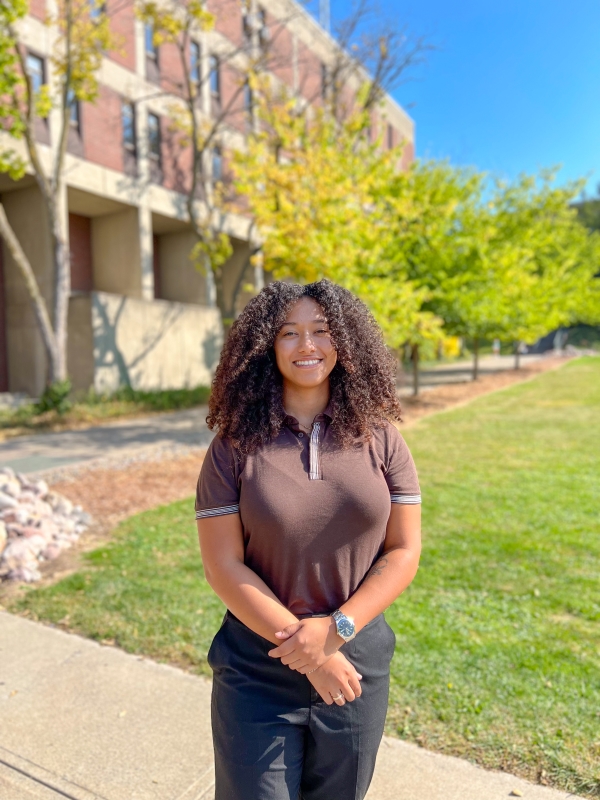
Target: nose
306 345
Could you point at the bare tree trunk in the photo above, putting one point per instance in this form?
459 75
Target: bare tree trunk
475 359
517 355
415 359
62 292
39 304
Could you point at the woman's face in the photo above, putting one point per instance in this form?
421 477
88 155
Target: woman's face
304 351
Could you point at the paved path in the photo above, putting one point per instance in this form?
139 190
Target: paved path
122 439
174 430
86 722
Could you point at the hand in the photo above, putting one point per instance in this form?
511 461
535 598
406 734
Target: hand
335 676
310 643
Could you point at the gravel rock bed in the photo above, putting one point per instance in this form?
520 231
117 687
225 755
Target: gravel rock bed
36 525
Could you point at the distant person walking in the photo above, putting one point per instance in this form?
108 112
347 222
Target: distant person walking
309 524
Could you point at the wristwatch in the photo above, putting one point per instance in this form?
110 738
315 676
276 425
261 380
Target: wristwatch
345 626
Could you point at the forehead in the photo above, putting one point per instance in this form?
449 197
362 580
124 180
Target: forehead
305 310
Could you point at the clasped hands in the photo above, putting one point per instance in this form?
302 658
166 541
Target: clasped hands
311 647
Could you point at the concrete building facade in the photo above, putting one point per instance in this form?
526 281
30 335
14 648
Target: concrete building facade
140 313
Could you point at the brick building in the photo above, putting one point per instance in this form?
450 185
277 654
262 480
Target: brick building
139 312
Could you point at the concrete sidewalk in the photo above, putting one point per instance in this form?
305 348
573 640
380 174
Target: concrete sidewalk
86 722
175 430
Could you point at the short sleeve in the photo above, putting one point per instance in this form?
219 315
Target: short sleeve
400 471
217 492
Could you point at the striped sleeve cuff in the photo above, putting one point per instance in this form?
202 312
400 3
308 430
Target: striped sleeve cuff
406 499
218 512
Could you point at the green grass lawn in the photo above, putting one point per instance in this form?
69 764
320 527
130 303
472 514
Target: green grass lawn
498 654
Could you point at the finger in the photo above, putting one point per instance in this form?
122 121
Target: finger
354 684
288 631
296 665
339 701
283 650
292 657
349 693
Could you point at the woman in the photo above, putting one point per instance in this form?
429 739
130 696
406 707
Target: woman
309 524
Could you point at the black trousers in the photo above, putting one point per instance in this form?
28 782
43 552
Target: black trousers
275 739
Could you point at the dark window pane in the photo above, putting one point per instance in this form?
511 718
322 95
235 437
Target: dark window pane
35 70
248 98
195 62
217 164
215 83
151 50
73 109
128 121
324 81
154 136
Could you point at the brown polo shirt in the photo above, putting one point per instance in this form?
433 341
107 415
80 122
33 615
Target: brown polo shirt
313 515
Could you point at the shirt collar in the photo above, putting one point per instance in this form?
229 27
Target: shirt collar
292 422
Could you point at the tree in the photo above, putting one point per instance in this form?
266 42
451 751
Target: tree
176 23
82 36
316 187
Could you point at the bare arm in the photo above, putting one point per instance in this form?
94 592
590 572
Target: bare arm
250 599
394 571
309 643
243 592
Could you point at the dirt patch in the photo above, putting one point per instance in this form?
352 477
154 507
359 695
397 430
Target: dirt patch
111 494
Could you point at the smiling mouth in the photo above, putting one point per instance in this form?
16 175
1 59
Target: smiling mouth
308 362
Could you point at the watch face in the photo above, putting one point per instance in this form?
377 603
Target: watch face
345 628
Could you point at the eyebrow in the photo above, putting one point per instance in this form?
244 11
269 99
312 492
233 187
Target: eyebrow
321 319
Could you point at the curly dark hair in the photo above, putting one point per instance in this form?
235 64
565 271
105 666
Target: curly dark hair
246 404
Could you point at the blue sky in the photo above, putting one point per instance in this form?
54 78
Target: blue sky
513 86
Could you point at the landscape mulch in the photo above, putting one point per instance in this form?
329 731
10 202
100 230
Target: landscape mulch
111 493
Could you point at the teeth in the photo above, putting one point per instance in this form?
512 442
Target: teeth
308 363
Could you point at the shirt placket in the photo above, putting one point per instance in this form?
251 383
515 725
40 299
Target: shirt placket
314 453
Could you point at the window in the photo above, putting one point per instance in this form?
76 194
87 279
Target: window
128 123
195 62
390 137
151 48
35 70
215 78
74 111
264 34
325 81
154 138
248 98
217 164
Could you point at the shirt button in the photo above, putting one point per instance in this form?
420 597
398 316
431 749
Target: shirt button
300 435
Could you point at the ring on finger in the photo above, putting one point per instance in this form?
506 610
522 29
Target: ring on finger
339 696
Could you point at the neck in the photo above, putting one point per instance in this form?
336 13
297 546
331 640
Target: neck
305 403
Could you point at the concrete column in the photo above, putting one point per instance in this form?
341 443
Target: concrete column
146 252
140 49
